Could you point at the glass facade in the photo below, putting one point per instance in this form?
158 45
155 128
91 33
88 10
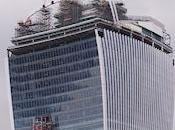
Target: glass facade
63 81
108 81
137 83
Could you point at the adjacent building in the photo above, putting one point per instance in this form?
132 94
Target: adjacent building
95 68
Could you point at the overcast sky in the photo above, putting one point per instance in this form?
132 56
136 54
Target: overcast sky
12 11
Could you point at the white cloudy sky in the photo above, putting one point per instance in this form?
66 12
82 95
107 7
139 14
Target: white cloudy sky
12 11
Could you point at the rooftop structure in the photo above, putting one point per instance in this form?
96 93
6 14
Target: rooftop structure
67 12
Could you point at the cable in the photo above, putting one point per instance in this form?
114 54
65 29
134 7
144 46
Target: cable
52 3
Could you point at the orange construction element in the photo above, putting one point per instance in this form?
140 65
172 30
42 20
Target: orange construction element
43 123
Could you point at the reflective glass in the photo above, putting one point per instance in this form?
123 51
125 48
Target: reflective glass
63 81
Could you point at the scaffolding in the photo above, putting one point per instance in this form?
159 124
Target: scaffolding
70 11
102 9
44 19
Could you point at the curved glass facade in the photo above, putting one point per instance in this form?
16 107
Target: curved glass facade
106 81
63 81
137 83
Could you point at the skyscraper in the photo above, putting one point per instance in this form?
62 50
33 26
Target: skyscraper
95 68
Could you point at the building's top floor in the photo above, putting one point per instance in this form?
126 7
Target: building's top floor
75 17
84 29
